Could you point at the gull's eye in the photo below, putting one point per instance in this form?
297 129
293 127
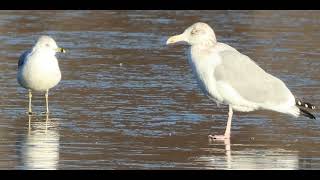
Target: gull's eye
194 31
47 45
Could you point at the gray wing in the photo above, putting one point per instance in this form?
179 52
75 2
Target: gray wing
249 80
23 58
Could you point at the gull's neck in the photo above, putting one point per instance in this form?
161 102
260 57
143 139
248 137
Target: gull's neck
204 45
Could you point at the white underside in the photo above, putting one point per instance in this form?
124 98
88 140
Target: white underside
39 73
238 103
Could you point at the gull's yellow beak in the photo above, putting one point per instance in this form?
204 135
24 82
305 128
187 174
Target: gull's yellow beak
61 50
174 39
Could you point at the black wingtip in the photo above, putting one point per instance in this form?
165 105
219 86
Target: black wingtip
307 114
299 103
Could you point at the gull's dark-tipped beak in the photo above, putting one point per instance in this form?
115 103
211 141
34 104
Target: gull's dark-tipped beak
174 39
61 50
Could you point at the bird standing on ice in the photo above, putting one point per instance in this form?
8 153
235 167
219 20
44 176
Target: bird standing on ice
229 77
38 68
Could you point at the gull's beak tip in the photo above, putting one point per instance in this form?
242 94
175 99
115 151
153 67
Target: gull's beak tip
62 50
174 39
168 42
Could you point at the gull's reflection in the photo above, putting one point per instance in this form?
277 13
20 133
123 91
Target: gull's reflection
40 149
248 157
227 147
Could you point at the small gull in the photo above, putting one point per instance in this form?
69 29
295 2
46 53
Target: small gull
229 77
38 68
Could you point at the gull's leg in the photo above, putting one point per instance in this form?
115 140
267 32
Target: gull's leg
29 129
47 119
47 104
30 97
228 128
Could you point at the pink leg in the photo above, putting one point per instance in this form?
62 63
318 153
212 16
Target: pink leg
228 128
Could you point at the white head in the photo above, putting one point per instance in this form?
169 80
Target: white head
198 33
46 43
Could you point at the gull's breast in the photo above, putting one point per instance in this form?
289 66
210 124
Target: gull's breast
40 74
203 67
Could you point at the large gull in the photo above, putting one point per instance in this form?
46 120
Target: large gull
38 68
229 77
